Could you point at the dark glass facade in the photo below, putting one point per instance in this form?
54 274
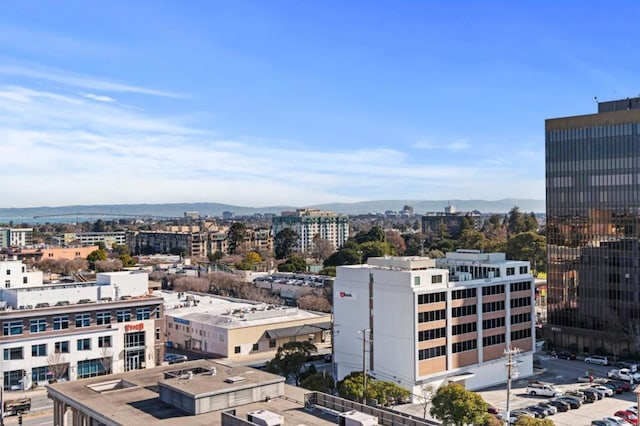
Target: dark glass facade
593 221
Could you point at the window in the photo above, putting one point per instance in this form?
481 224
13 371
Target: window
416 280
236 350
524 270
39 350
256 347
432 352
463 311
520 318
61 347
104 341
103 318
91 368
468 327
424 299
436 333
39 374
272 343
13 353
83 320
493 289
467 345
11 328
143 314
84 344
520 302
493 306
464 293
7 283
493 323
511 271
134 340
432 316
157 333
60 323
8 271
521 286
493 340
38 325
25 280
123 316
436 279
521 334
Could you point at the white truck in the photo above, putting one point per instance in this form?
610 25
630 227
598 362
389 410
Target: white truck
542 389
625 374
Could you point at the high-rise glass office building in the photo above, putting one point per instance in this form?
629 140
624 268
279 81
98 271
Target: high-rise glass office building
593 227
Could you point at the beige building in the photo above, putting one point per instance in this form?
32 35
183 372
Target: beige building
232 329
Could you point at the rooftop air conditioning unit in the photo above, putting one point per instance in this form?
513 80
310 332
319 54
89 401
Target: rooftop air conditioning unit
265 418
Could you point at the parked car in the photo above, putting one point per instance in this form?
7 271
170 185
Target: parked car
174 358
599 423
515 415
551 409
538 412
618 421
572 401
597 359
626 387
601 388
615 387
562 406
592 394
493 410
627 415
566 355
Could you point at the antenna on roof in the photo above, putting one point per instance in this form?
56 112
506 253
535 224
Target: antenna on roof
596 99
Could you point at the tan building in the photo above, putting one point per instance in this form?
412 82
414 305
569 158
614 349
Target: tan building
232 329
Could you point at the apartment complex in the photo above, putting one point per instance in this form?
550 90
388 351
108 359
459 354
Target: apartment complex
428 321
16 237
52 253
75 330
309 223
593 226
233 328
93 238
434 223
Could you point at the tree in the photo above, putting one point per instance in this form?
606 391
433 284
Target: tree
528 246
98 226
318 382
293 264
471 239
290 358
95 256
250 260
532 421
396 241
344 256
106 359
374 234
284 242
312 302
454 405
375 249
426 397
322 248
328 270
386 393
515 222
236 236
215 257
57 366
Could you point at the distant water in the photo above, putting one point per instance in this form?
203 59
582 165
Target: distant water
30 220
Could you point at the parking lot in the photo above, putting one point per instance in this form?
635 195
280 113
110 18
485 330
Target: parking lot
563 374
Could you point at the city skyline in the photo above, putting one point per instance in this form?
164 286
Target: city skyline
295 103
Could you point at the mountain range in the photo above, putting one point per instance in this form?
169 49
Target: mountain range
216 209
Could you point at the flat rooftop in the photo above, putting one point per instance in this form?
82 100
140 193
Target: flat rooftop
133 397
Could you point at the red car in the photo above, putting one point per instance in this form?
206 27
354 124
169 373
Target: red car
628 416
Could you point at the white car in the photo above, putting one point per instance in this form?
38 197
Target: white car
603 389
597 359
616 420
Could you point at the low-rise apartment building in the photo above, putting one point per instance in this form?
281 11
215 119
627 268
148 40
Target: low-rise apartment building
16 237
432 321
108 238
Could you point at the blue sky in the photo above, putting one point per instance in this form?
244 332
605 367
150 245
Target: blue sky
260 103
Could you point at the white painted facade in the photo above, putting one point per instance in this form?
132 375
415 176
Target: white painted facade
14 274
393 286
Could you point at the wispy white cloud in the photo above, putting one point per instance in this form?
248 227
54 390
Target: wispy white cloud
456 145
99 98
83 81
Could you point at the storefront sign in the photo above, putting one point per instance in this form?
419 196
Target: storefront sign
134 327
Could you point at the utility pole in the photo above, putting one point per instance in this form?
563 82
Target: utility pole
512 372
364 364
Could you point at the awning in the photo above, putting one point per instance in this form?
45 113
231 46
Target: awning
277 333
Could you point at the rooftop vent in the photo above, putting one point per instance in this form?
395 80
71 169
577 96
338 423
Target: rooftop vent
234 379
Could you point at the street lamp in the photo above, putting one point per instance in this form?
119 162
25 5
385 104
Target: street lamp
512 373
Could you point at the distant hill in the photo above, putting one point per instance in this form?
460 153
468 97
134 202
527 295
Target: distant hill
216 209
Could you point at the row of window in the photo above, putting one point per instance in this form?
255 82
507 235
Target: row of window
520 302
432 316
521 286
463 311
436 333
520 318
432 352
468 327
493 323
424 299
467 345
521 334
464 293
493 340
493 289
40 350
493 306
39 325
